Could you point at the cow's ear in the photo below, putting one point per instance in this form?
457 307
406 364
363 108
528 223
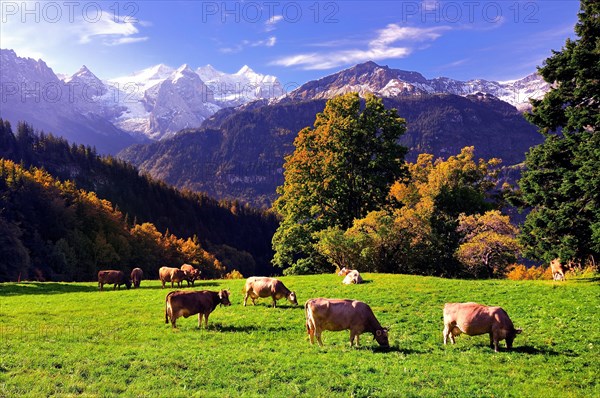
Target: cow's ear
519 331
378 333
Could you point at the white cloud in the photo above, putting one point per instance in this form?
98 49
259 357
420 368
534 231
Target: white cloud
44 37
269 42
110 30
271 22
393 41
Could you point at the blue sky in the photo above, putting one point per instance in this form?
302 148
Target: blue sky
296 41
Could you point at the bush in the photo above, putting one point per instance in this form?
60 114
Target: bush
518 272
235 274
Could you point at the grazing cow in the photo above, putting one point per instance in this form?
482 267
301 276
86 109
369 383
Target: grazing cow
260 286
191 273
108 277
136 277
173 275
558 269
335 315
475 319
184 304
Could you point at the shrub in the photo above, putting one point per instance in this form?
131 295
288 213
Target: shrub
518 272
235 274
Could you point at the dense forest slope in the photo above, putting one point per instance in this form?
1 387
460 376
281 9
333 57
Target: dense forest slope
238 235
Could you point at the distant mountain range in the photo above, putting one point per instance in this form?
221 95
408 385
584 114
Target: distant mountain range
239 152
159 101
386 82
149 104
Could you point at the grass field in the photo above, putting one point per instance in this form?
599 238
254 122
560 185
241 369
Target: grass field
68 339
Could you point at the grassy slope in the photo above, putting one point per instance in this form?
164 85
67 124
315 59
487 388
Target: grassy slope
69 339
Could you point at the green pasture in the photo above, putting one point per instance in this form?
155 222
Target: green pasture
68 339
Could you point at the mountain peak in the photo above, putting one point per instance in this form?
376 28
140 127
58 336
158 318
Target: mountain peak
245 70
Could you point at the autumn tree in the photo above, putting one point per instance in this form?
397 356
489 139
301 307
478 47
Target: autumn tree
417 233
489 243
341 170
561 184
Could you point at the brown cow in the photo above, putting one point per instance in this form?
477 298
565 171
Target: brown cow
108 277
191 273
168 274
184 304
136 277
260 286
351 276
475 319
335 315
559 270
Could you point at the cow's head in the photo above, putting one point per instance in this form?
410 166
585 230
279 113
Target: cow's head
343 271
224 297
292 298
511 337
128 283
381 335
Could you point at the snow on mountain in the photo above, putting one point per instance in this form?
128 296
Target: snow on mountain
241 87
32 92
384 81
158 101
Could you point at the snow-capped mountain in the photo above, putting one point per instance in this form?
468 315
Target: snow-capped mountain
241 87
31 92
160 100
384 81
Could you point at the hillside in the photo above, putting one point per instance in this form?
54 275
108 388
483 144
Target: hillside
83 342
239 153
239 235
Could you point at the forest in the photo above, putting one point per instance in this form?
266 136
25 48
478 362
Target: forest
67 212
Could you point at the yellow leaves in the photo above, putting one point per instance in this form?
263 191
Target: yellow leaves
518 272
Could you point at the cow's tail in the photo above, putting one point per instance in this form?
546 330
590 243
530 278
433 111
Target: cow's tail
167 307
308 315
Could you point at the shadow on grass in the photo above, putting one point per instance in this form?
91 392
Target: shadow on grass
197 286
530 350
245 329
591 279
270 304
27 288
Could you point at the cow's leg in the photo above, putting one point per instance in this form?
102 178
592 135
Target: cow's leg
199 320
206 320
99 286
172 284
274 301
446 332
163 284
173 321
245 298
318 334
493 342
311 333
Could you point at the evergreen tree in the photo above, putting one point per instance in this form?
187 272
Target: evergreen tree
562 183
340 170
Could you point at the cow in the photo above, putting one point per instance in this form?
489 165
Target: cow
136 277
338 314
475 319
108 277
168 274
350 276
184 304
559 270
191 273
260 286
